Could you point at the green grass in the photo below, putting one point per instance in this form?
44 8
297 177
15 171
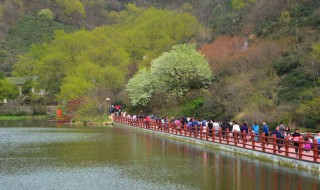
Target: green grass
15 117
104 118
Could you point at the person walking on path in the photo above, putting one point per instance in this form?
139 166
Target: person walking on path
279 136
244 129
210 126
307 144
255 129
282 128
296 135
216 127
225 125
265 130
236 129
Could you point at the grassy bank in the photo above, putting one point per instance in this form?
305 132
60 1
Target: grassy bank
15 117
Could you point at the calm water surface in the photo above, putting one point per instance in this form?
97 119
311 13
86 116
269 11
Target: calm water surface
37 154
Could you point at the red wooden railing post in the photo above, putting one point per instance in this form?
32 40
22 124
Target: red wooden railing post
201 129
253 141
315 150
286 146
263 142
172 127
177 128
274 143
227 135
213 135
300 147
155 125
207 131
220 134
196 131
244 138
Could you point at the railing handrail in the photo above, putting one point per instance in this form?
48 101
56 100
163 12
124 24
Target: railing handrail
257 142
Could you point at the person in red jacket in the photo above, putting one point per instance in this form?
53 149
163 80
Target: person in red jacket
147 119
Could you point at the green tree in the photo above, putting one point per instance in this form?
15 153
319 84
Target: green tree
145 34
24 34
2 76
310 112
71 11
139 35
8 90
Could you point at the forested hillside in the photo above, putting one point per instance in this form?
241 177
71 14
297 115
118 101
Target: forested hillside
256 60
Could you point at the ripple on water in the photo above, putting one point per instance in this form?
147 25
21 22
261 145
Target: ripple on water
85 178
20 136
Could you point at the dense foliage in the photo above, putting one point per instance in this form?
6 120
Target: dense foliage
264 54
97 63
7 90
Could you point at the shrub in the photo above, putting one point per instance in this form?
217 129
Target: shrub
45 14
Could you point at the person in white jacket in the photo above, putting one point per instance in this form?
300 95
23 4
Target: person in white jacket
216 127
236 129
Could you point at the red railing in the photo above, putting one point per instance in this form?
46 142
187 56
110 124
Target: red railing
268 144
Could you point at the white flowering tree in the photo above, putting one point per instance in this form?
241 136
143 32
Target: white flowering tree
174 72
140 88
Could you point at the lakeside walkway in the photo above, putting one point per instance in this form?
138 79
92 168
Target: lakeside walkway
250 141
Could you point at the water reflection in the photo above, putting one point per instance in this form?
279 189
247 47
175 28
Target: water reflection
46 157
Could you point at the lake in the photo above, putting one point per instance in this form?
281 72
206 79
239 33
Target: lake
38 154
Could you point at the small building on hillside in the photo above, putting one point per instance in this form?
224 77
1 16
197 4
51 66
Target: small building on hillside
20 81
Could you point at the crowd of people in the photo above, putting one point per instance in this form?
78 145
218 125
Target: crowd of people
213 126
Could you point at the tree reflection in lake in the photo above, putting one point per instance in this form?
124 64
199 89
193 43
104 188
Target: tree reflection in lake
42 156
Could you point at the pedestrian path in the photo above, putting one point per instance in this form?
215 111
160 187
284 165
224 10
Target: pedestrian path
269 145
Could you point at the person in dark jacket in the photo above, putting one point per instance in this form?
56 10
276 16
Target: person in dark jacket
195 126
296 135
224 126
279 136
244 128
210 126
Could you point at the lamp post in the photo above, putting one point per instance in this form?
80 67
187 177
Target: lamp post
108 109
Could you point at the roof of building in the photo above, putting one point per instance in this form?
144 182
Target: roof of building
21 80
